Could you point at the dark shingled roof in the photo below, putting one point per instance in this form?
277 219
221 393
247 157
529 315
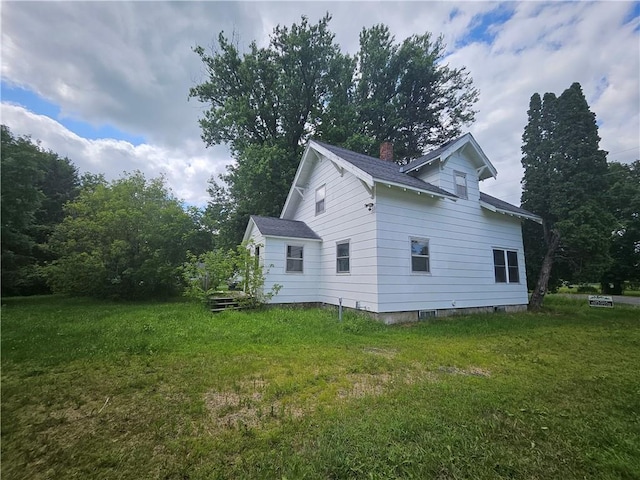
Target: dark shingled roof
278 227
502 205
383 170
429 156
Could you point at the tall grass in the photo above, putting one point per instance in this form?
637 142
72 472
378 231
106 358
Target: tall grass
166 390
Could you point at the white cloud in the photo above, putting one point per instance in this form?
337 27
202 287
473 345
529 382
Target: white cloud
186 170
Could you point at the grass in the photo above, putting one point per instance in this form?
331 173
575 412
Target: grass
166 390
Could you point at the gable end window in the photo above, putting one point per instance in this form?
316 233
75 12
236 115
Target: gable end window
320 199
505 266
342 257
460 180
420 255
295 256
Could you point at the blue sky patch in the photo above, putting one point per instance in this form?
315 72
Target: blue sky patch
36 104
481 30
634 12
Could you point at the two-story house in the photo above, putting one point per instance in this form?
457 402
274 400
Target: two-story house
401 242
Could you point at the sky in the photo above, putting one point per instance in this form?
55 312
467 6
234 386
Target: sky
106 84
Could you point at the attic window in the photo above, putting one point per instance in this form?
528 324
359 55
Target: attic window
320 197
460 180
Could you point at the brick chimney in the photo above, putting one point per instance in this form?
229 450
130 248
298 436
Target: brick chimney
386 151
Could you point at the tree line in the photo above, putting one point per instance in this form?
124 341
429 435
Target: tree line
85 236
130 237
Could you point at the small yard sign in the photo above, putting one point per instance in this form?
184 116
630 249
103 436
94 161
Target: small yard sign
600 301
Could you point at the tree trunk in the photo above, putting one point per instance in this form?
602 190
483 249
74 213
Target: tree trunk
545 272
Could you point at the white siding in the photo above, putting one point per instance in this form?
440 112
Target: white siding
296 287
461 236
345 218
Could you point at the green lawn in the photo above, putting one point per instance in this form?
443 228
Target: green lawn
166 390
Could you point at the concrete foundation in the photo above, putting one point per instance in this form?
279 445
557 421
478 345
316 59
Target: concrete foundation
390 318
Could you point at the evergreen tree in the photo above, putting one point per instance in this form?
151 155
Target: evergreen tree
565 183
623 201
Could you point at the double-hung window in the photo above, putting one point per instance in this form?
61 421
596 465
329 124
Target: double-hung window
295 257
420 255
460 180
342 257
320 199
505 266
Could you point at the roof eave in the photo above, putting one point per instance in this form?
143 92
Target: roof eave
415 189
495 209
247 230
288 237
348 166
296 178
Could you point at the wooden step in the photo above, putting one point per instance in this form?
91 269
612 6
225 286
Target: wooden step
220 304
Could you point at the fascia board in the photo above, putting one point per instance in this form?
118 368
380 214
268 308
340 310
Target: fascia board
247 232
481 154
495 209
296 239
296 178
414 189
349 167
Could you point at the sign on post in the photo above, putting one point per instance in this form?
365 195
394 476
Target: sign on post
600 301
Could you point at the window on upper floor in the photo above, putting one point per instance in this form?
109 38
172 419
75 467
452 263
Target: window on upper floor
320 199
342 257
460 180
505 266
420 255
295 257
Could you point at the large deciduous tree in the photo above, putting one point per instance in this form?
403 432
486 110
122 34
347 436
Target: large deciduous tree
35 186
266 102
125 239
565 182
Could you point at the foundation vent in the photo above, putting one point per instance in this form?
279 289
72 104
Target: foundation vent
426 314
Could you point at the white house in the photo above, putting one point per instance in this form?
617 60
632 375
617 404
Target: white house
401 242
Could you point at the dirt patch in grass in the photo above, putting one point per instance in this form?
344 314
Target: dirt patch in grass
383 352
249 405
469 371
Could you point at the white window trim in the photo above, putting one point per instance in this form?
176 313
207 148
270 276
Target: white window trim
506 265
287 258
342 242
322 187
463 175
419 272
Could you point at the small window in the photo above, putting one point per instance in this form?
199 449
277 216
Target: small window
419 255
294 258
320 199
505 266
342 257
461 184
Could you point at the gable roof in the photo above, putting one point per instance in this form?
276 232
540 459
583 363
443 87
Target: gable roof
278 227
484 167
370 170
496 205
383 171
